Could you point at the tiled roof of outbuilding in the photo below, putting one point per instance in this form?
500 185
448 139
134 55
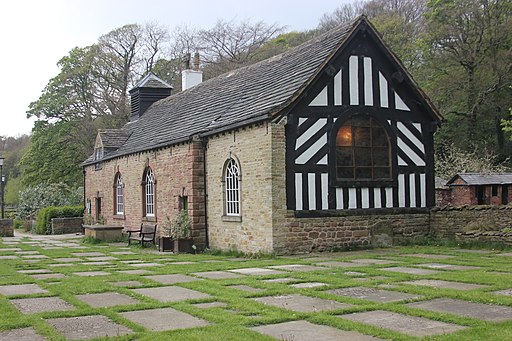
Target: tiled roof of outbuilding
475 179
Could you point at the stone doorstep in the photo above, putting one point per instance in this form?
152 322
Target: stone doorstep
307 331
410 325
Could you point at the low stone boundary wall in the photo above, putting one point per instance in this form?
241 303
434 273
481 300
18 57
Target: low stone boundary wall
447 221
67 225
6 228
304 232
492 237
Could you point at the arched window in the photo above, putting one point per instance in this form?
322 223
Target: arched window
362 150
149 193
119 194
232 188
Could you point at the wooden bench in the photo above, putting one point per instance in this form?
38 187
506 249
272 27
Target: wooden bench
145 234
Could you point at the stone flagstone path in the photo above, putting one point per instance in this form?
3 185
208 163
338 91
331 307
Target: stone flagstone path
134 291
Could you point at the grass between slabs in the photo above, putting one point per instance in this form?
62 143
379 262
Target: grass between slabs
235 311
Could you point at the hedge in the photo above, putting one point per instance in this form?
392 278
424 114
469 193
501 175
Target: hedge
45 215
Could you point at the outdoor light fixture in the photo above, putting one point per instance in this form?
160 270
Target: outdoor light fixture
2 182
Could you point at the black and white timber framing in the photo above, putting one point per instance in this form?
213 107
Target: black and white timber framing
362 77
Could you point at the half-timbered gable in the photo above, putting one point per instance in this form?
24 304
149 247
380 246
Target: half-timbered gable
361 136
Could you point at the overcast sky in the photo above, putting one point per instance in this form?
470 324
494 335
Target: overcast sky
37 33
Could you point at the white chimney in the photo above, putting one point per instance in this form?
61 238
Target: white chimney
190 78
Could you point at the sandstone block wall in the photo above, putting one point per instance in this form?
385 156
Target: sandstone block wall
6 228
67 225
252 231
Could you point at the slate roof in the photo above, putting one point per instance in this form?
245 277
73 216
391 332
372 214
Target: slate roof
474 179
113 138
240 97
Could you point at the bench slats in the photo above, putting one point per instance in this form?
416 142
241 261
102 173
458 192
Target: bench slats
146 234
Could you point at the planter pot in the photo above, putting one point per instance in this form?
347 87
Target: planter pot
165 244
183 245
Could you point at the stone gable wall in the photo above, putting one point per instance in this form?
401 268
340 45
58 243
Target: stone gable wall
252 231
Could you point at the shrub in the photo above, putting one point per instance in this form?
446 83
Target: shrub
45 215
33 198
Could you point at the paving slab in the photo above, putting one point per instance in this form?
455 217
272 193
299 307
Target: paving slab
27 252
257 271
308 285
371 261
410 325
246 288
508 254
336 264
473 251
136 272
21 289
171 293
301 303
164 319
506 292
34 271
106 299
67 259
10 249
354 273
184 263
217 275
96 263
449 266
280 280
211 305
123 253
58 265
21 334
427 255
101 258
127 284
47 276
91 273
173 278
88 254
9 257
143 265
487 312
412 271
307 331
372 294
41 304
297 267
132 261
446 284
88 327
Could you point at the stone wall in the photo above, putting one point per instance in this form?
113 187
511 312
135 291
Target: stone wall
67 225
6 228
252 231
490 237
351 228
178 173
447 221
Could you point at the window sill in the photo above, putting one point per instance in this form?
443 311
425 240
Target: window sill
232 218
119 217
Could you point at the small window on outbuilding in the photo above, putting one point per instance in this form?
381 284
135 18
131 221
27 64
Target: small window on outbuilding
363 151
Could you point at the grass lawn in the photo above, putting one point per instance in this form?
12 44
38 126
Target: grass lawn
238 298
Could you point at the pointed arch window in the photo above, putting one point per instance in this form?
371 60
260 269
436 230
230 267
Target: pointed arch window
232 188
363 151
149 193
119 194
